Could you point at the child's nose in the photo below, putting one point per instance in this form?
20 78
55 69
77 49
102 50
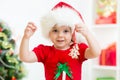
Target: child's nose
60 34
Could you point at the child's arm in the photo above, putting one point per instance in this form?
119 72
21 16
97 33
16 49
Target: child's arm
94 48
25 54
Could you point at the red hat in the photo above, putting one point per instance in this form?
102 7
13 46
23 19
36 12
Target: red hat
63 4
61 14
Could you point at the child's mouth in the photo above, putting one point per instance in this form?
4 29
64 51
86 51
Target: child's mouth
60 40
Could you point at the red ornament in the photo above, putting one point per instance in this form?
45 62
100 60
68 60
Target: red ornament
1 29
13 78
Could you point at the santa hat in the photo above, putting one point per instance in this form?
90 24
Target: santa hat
61 14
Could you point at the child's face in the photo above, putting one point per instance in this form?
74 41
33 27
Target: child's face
61 36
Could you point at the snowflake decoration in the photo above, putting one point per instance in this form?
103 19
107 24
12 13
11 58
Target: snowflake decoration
74 52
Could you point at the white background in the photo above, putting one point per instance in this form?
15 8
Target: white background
17 13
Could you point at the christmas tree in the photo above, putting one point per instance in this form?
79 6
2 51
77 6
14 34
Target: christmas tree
11 68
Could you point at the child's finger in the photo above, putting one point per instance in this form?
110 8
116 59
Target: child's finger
79 28
32 26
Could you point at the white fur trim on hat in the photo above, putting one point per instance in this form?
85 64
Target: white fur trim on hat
59 16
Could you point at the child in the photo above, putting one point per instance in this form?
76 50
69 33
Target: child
60 25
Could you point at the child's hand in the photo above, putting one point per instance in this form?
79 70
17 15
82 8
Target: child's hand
81 28
29 30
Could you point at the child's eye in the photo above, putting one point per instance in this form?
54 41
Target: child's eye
55 30
65 31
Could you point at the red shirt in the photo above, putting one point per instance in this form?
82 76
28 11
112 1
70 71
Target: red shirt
50 57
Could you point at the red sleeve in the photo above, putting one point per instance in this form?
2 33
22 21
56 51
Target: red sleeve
40 52
82 48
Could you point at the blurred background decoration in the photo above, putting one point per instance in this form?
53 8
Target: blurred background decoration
11 68
108 55
106 11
